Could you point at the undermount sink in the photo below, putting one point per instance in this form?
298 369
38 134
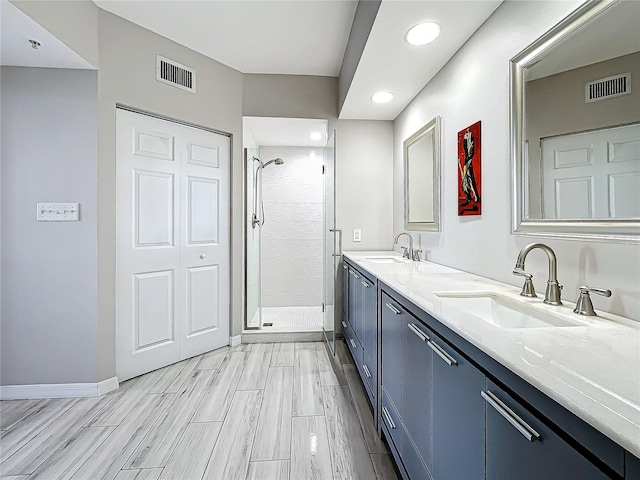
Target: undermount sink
384 259
503 312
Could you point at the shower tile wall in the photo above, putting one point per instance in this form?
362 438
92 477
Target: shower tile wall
292 244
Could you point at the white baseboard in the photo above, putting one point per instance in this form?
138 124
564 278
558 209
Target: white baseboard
108 385
233 341
59 390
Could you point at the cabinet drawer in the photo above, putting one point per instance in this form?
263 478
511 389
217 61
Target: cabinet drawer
391 421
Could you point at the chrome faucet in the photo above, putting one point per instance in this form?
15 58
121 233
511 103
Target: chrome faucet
409 253
552 295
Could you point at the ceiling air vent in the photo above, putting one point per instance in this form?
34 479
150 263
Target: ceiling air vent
607 88
176 75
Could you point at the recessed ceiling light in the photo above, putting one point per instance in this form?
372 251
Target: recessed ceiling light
423 33
315 135
382 97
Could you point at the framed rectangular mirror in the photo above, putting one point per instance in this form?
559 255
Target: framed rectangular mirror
575 127
421 152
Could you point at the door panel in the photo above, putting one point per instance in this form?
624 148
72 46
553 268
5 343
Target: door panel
153 317
416 397
203 155
203 211
172 260
153 209
202 294
393 319
622 187
154 144
510 455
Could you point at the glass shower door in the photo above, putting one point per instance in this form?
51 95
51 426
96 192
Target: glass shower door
253 243
330 242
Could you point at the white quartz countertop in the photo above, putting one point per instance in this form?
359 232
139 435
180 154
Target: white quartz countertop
592 369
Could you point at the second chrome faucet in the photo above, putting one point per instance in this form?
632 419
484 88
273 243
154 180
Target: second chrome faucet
409 252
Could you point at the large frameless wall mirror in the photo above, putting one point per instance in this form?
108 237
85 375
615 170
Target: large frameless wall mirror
575 127
422 178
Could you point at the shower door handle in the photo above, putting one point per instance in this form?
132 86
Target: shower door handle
338 230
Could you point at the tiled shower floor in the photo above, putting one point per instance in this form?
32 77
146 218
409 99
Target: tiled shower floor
290 317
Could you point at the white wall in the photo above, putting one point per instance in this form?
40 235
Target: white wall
74 22
474 85
292 235
49 269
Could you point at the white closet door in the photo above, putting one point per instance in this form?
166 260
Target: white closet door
205 241
172 261
593 174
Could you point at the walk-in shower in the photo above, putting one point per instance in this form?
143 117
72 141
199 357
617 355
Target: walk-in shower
284 247
291 253
258 204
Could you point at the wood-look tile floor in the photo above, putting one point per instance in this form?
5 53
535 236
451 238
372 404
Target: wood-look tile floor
256 411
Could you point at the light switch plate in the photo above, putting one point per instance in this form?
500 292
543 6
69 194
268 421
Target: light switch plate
357 235
58 212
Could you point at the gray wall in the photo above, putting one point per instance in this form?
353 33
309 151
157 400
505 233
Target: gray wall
290 96
49 269
127 76
474 85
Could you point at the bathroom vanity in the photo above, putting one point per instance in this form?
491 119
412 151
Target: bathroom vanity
467 379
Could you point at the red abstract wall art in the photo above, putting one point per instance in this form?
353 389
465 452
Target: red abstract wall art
469 171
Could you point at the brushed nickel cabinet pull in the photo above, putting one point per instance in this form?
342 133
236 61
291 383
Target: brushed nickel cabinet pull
392 308
510 416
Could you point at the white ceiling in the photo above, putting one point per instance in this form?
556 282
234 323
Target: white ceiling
277 37
389 63
16 29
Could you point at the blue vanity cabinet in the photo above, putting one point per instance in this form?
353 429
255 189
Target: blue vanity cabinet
519 445
393 319
416 397
632 466
458 414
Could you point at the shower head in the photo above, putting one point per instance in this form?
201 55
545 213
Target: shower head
277 161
